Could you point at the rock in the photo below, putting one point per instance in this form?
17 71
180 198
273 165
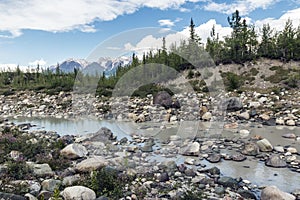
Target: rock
40 169
70 180
250 149
50 184
8 196
263 100
34 187
219 190
289 136
252 113
163 177
296 193
190 172
228 182
292 150
74 151
203 110
104 135
279 121
16 155
214 158
45 195
264 145
78 193
272 192
254 104
91 164
244 115
290 122
247 194
207 116
279 149
30 197
147 147
191 150
276 161
141 118
238 157
214 171
244 133
270 122
231 104
265 117
163 98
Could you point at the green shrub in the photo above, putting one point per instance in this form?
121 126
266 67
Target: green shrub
18 170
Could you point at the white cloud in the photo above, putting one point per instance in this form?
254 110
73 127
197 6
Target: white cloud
244 6
41 62
166 22
66 15
278 24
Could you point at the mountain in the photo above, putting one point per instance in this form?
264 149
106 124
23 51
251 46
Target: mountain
104 64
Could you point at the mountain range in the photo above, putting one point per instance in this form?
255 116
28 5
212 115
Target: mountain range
104 64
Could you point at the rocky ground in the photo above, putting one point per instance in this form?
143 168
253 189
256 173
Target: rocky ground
44 165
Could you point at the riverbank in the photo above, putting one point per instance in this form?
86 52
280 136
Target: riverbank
192 151
163 167
280 108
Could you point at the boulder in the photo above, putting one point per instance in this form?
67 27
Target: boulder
289 136
214 158
74 151
4 195
40 169
244 115
264 145
228 182
164 99
250 149
270 122
272 192
290 122
90 164
231 104
78 193
191 150
50 184
207 116
276 161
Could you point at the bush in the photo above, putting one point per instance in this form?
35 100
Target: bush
232 81
18 170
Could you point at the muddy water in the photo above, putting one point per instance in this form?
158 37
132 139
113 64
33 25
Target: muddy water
250 169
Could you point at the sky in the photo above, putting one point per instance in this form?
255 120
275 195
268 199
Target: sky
47 32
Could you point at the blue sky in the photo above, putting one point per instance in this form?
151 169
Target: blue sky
50 31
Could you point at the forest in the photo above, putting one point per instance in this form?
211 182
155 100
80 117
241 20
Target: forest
244 44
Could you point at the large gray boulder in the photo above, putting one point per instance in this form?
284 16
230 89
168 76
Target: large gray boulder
90 164
276 161
231 104
191 150
4 195
40 169
250 149
74 151
78 193
164 99
272 192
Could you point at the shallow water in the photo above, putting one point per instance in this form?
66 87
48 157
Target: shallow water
256 172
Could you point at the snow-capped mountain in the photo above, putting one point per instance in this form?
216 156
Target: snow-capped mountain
104 64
